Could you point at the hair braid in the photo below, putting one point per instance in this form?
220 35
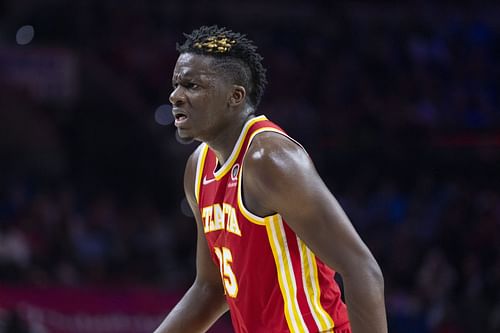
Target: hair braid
234 53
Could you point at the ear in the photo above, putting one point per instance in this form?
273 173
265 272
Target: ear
238 96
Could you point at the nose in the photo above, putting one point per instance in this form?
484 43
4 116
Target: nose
176 96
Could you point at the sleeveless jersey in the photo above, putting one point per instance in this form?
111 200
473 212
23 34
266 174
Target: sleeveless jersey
272 281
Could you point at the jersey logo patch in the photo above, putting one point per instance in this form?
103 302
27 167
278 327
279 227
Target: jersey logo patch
234 171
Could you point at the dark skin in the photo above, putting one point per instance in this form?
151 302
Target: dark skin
211 109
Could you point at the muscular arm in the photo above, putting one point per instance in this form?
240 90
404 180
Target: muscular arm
204 302
280 177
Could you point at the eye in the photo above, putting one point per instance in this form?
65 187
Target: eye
191 85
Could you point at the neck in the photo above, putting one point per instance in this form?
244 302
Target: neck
224 143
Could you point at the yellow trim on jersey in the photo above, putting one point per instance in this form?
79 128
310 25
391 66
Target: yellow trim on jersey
248 214
286 278
311 287
237 148
199 170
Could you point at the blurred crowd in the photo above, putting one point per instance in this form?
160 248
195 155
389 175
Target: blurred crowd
399 107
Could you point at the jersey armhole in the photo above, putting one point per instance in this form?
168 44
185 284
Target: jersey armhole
254 218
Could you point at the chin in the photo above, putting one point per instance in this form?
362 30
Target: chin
183 138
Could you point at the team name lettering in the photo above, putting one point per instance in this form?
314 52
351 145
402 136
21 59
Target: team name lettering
217 217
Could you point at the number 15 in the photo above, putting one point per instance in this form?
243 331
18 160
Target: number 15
225 260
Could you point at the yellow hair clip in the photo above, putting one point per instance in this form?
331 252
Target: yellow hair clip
219 44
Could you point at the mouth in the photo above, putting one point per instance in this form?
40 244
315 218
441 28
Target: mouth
180 117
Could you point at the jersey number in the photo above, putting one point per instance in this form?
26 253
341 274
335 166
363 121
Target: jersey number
228 277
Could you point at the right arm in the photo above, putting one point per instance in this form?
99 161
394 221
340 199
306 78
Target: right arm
204 302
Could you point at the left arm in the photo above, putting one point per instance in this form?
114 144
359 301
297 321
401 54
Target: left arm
280 177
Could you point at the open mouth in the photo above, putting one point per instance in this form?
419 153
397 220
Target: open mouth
180 118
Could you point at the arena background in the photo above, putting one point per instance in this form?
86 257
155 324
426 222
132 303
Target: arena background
398 105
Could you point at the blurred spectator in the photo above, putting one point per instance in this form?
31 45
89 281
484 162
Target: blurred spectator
13 323
14 252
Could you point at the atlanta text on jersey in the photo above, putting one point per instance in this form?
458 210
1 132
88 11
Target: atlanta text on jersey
217 217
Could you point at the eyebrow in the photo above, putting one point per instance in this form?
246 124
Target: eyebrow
188 71
189 75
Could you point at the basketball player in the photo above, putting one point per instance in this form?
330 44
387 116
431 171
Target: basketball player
270 233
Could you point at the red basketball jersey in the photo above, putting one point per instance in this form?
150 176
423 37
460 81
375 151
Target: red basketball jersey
272 281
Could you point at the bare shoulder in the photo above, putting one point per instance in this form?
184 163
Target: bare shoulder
275 168
193 158
190 171
271 154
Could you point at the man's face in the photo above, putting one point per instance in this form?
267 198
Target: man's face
199 99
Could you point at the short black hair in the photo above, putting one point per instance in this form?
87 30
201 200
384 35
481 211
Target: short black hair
234 53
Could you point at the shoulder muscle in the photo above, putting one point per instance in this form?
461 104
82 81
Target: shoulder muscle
274 167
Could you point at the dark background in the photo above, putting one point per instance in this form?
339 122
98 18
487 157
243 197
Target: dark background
398 106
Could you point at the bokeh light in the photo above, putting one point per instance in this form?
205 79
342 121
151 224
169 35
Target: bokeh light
25 34
163 114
